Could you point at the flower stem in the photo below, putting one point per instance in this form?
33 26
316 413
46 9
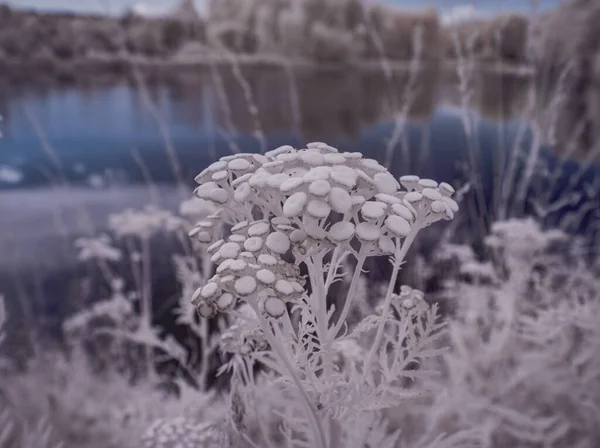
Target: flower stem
280 350
333 265
147 296
399 257
350 295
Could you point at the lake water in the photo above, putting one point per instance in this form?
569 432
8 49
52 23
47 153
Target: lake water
118 130
99 142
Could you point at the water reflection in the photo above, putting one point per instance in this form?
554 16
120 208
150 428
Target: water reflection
494 94
322 104
106 132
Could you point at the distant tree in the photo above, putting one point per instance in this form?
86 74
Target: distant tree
354 13
174 33
64 49
130 18
145 38
331 45
510 37
5 12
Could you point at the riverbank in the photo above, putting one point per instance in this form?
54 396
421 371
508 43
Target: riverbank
348 32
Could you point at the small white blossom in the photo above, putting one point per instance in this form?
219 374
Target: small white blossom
97 248
143 223
274 307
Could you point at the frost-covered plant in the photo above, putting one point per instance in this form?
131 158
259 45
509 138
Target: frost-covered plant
106 330
14 430
114 323
293 210
524 352
136 228
97 248
143 223
38 435
182 433
88 408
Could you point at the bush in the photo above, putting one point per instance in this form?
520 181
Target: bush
235 38
510 35
104 37
144 39
174 34
354 14
331 45
522 346
503 37
399 34
64 49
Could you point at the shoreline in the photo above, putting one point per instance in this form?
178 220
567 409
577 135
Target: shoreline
120 66
36 224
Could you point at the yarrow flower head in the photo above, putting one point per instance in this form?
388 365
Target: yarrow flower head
97 248
291 204
143 223
250 264
410 299
244 335
195 208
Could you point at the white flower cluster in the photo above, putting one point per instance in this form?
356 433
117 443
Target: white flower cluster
522 238
97 248
239 341
117 309
408 302
244 335
195 208
181 433
304 202
143 223
410 299
250 263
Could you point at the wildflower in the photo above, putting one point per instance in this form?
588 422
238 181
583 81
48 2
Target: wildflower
196 209
205 230
143 223
97 248
408 300
250 266
311 200
244 335
293 207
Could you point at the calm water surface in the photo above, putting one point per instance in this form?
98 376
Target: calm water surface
101 142
109 132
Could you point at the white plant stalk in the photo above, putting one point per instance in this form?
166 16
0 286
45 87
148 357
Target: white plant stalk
290 210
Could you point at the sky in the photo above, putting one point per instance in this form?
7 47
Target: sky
449 9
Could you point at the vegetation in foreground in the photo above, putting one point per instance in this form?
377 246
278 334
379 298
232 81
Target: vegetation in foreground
280 339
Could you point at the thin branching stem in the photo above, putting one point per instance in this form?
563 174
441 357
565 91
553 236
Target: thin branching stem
281 352
398 259
350 295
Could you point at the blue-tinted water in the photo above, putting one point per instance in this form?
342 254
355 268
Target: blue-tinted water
83 132
118 134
